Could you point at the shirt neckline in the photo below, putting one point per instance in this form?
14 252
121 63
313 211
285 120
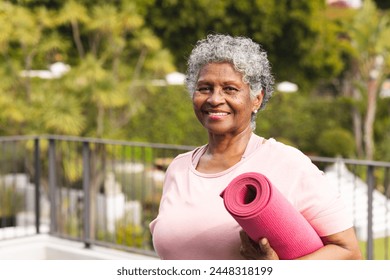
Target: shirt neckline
254 142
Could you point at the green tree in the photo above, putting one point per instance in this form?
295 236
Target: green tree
300 121
299 39
382 130
336 142
169 107
108 63
382 4
26 43
369 65
109 49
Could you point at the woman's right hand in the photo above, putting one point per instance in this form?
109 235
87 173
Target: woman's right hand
251 250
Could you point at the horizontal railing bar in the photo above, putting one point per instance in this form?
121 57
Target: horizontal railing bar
351 161
97 140
18 138
173 146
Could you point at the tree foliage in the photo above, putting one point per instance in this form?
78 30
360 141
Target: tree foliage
367 67
296 34
302 122
168 118
108 48
382 4
117 49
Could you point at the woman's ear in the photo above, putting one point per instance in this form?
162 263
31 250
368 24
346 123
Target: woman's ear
258 100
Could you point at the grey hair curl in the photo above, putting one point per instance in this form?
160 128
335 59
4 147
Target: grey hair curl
246 56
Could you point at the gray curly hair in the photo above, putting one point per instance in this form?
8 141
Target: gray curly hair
247 57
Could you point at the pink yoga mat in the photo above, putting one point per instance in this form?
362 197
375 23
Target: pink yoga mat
262 211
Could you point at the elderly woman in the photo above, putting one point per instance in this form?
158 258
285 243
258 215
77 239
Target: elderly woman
230 80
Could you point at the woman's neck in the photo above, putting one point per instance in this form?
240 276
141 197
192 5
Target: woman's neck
223 152
229 144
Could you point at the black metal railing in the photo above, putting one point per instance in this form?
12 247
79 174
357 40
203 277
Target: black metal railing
365 185
104 192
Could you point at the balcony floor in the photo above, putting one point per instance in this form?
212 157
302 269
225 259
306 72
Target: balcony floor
46 247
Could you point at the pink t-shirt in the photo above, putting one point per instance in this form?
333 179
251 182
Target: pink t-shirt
193 223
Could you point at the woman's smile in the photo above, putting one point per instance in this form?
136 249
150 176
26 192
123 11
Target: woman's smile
216 115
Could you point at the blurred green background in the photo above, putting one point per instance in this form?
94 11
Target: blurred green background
98 68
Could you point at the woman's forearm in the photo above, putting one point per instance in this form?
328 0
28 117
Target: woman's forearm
339 246
333 252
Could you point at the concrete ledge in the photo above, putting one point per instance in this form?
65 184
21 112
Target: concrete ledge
46 247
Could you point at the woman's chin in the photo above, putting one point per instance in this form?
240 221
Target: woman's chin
220 131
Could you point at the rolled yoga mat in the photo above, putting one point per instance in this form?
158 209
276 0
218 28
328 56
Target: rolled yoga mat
262 211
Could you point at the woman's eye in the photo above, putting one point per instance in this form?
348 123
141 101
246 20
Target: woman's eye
204 89
230 90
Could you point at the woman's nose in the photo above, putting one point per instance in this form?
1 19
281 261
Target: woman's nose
216 96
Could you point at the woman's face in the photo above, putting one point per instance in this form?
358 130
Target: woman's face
222 101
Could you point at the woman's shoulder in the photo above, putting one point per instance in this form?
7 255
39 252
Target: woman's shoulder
274 144
183 160
285 152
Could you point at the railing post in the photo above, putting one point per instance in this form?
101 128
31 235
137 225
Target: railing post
52 186
37 182
370 201
386 184
87 197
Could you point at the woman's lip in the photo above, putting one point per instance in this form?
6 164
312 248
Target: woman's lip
216 115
